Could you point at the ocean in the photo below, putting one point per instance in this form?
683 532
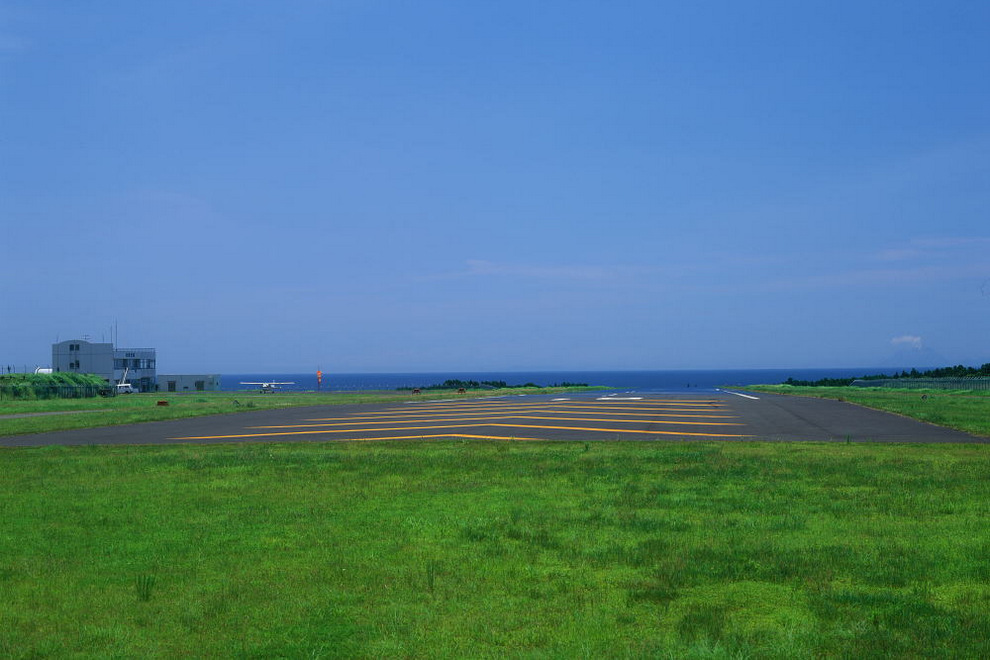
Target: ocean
644 381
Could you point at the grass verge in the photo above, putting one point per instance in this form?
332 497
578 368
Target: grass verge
452 549
136 408
965 410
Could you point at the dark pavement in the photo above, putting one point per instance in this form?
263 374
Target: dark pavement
778 417
715 415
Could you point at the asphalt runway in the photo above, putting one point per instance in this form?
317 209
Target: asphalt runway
718 415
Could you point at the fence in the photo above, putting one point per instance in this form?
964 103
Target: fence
973 383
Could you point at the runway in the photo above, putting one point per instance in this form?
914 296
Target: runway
519 419
715 415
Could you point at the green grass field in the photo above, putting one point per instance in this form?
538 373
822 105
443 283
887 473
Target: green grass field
965 410
473 549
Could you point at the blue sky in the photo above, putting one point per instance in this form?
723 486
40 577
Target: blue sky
427 186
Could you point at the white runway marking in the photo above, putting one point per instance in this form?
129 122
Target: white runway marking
745 396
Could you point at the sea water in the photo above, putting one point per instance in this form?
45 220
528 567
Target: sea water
643 381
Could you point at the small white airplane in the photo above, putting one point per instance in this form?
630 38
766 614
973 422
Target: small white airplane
269 387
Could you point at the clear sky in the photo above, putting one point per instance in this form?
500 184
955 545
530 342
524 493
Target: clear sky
364 185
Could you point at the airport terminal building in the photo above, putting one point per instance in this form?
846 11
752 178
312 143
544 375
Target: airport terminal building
103 359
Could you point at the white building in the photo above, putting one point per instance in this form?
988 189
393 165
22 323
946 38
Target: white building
84 357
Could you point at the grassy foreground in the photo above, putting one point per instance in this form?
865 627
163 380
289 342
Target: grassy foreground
137 408
965 410
489 549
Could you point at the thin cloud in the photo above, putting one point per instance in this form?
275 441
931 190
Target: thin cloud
907 341
935 259
531 271
953 242
574 273
13 44
934 247
899 254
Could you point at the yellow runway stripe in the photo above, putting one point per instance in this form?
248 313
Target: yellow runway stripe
645 406
571 402
545 409
455 426
453 436
481 421
604 402
670 407
578 428
456 436
351 430
442 415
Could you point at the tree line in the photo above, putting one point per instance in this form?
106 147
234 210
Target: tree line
958 371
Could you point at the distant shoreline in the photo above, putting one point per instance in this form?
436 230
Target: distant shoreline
644 380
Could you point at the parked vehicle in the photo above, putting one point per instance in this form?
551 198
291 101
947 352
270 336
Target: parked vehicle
123 387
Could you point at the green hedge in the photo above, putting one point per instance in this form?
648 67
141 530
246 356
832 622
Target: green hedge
52 386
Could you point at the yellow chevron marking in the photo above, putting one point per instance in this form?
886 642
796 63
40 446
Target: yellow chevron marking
508 411
454 426
481 421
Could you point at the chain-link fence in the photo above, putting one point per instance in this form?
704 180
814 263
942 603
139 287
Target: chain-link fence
974 383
